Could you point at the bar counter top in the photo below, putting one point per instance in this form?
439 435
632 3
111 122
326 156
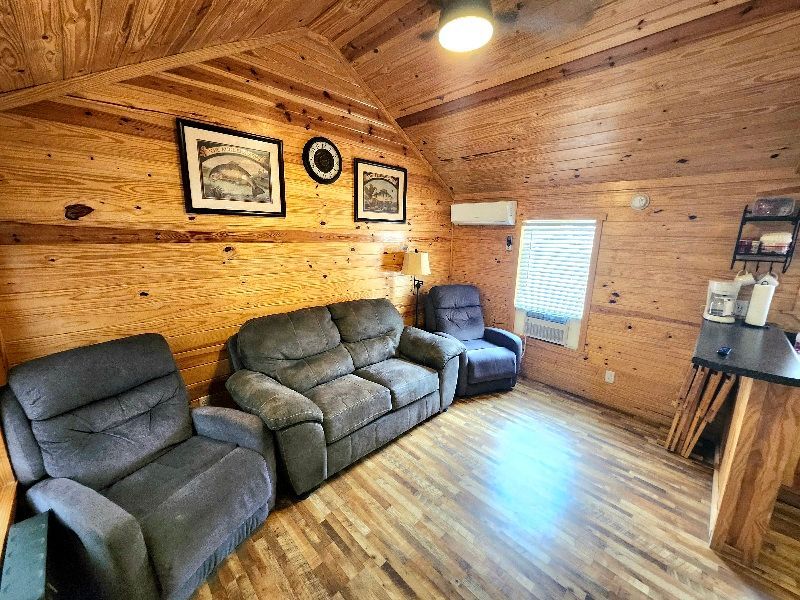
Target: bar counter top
757 352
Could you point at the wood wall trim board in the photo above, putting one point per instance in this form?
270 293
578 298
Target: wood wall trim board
88 81
18 233
645 47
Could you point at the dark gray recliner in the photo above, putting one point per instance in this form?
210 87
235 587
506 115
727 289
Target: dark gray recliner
493 356
149 495
334 383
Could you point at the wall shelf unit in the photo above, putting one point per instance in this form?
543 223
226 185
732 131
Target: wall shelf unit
760 257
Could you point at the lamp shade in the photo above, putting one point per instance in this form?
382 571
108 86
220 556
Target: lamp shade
416 264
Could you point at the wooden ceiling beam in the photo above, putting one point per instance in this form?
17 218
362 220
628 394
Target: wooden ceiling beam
645 47
73 85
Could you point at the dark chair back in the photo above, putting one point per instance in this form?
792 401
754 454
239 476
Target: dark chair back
456 310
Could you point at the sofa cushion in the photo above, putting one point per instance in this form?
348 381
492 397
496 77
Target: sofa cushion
406 381
457 310
489 363
348 403
104 441
370 329
300 349
188 520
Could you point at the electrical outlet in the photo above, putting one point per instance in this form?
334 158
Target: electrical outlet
610 376
741 308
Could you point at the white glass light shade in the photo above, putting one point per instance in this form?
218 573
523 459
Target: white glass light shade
465 25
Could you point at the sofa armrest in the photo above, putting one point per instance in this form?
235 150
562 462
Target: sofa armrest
429 349
506 339
277 405
111 537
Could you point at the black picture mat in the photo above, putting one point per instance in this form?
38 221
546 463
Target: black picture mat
187 189
362 161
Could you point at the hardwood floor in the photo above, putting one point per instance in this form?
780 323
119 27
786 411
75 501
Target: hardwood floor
527 494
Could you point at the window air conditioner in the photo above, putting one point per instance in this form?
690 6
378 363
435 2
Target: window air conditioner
559 331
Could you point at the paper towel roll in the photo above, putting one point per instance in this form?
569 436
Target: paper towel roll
759 304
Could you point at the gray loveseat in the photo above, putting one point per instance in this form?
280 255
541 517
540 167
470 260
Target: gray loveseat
493 356
148 496
336 382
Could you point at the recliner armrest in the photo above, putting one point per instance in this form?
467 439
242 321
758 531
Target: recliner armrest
277 405
506 339
240 428
234 426
429 349
111 537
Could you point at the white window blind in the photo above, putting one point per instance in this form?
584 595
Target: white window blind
555 260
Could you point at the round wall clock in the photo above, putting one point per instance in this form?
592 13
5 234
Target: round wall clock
322 160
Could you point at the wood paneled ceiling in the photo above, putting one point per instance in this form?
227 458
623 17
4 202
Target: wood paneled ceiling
391 44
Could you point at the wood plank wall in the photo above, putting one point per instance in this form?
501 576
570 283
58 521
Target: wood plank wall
137 262
702 129
649 289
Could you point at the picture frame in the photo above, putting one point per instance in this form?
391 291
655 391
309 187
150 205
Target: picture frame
379 192
230 172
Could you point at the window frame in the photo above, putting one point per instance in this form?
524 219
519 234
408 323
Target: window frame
550 215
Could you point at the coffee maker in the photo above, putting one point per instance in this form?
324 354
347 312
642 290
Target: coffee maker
721 301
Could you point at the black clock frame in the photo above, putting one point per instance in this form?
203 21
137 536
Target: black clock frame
307 160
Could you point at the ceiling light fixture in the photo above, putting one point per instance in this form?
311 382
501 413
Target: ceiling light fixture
465 25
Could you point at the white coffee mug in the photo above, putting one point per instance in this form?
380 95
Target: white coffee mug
744 277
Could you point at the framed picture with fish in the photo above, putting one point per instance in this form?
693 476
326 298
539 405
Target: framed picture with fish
231 172
380 192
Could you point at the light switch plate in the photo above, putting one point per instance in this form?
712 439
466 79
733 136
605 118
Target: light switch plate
610 376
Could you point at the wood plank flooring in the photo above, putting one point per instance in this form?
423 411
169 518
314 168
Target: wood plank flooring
527 494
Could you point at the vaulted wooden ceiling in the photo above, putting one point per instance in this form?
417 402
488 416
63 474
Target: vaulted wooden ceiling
391 42
435 95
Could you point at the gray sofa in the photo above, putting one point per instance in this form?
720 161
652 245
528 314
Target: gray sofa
493 356
148 496
336 382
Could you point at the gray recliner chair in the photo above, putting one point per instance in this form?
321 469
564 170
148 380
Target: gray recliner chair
493 356
148 496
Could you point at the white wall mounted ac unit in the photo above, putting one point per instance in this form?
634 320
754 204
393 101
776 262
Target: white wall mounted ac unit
484 213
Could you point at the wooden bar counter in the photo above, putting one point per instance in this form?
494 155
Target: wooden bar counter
760 450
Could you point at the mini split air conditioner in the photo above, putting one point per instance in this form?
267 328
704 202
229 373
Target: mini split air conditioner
484 213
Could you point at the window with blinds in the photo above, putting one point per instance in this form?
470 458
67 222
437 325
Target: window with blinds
554 266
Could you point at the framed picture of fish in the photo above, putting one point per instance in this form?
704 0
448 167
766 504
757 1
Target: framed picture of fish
231 172
380 192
